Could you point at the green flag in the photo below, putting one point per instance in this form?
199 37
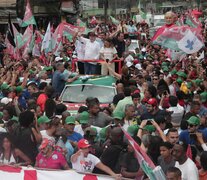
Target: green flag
114 21
142 14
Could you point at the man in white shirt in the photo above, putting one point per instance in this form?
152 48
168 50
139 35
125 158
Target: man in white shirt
92 49
177 111
83 161
185 164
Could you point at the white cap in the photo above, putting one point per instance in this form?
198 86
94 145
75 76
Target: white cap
6 100
129 64
168 59
58 59
138 66
143 50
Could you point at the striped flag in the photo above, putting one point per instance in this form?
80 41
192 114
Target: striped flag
144 161
170 37
28 16
27 47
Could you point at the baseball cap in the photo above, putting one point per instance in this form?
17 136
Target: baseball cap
132 130
165 69
15 118
203 96
48 68
174 71
150 128
31 82
152 101
181 74
43 119
4 86
19 89
118 115
90 131
58 59
168 59
46 142
138 66
102 134
83 143
84 117
6 100
194 120
70 120
179 80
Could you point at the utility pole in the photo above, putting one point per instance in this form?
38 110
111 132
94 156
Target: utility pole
105 10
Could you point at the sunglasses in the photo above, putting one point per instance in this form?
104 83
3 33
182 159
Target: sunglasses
191 125
155 79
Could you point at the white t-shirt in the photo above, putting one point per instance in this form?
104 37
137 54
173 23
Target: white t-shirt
108 53
188 169
85 164
46 136
91 50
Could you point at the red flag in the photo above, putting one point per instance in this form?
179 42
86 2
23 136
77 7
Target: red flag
189 152
93 20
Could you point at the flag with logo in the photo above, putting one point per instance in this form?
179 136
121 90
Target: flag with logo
169 37
190 43
144 161
28 16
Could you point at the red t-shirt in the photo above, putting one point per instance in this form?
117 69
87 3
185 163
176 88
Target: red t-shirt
41 101
55 161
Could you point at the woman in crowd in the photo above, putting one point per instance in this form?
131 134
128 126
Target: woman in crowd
11 155
108 53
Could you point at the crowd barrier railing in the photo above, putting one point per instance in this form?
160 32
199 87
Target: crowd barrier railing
74 61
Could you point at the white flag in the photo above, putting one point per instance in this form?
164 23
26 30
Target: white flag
190 43
46 43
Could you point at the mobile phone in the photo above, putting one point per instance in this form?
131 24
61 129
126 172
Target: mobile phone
165 93
107 60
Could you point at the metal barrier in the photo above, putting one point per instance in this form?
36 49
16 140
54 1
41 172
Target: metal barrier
97 61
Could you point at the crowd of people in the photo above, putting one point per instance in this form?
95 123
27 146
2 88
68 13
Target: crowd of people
160 102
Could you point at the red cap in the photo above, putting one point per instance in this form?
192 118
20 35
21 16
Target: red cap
136 61
83 143
137 91
45 143
152 101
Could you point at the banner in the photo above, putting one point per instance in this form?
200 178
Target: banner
24 173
